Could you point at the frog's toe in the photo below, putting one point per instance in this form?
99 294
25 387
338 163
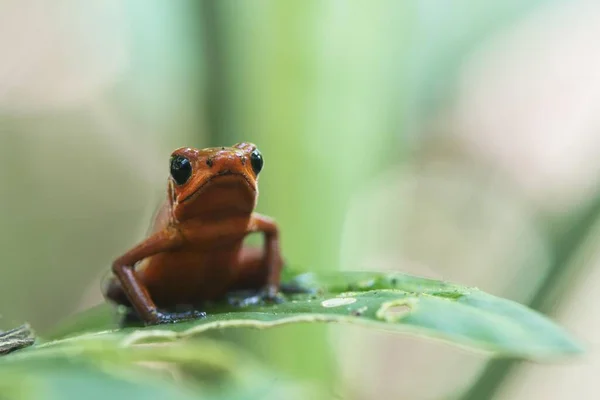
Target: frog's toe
267 295
175 317
270 294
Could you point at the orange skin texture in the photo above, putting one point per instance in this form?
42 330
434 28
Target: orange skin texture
195 251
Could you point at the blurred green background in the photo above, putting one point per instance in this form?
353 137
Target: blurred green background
452 139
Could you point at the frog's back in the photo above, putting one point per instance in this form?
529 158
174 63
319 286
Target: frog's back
160 218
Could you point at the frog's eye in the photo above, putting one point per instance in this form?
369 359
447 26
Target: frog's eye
256 160
181 169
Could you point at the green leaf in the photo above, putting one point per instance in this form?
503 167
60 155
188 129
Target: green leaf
393 301
112 365
70 380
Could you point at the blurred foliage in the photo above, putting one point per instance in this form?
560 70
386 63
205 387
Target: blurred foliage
102 367
333 93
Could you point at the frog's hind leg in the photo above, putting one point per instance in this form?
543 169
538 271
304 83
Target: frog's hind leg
113 291
252 274
251 270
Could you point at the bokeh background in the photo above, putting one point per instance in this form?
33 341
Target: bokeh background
457 140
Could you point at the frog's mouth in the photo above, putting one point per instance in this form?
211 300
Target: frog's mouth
225 177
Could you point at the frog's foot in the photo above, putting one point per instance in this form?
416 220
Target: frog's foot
174 317
270 294
267 295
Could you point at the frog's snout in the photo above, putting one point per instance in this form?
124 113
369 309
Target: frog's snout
224 163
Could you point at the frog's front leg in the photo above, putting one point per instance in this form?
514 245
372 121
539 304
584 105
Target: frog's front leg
136 292
272 254
114 292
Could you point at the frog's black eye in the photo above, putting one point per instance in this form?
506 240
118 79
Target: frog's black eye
181 169
256 160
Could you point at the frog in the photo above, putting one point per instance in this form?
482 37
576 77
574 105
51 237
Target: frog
195 251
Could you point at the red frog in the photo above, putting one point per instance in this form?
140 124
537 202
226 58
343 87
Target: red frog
194 252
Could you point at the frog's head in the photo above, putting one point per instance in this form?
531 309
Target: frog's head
215 182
